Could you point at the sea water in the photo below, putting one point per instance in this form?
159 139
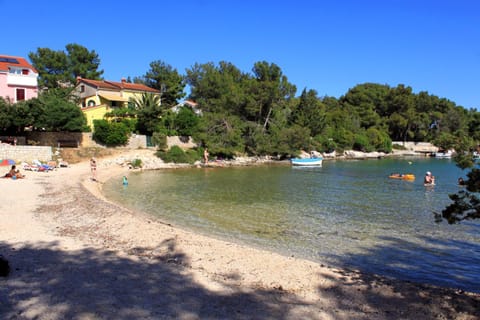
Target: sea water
346 213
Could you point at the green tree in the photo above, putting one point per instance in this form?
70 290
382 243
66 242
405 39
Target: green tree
52 67
270 91
368 101
474 124
57 113
219 89
165 78
82 63
23 115
379 140
361 142
466 203
186 122
149 113
309 113
401 107
59 68
222 134
6 116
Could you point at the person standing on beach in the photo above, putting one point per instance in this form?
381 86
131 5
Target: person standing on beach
93 168
205 155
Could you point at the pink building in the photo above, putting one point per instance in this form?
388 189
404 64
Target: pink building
18 79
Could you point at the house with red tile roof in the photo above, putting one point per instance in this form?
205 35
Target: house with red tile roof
18 79
99 97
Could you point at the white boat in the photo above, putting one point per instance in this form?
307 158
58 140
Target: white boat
306 161
444 155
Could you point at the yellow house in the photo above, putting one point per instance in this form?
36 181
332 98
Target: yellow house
99 97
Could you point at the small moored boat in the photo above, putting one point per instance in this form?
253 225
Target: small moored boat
443 154
306 161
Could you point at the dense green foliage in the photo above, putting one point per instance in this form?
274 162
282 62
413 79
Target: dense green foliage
60 68
165 78
59 113
149 113
465 203
137 163
177 155
51 111
160 140
258 113
110 133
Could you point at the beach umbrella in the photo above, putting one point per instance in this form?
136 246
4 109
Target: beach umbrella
7 162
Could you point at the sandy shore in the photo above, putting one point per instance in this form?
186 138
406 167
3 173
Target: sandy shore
75 255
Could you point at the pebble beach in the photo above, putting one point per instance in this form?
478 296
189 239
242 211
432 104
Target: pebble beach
75 255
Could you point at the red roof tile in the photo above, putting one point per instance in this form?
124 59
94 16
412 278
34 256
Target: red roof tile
112 85
22 63
100 84
133 86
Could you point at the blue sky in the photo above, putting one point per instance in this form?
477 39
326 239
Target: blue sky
328 46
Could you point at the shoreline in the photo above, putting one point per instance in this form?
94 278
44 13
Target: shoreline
76 255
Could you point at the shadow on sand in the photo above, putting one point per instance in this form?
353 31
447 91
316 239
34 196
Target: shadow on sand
426 300
102 284
47 283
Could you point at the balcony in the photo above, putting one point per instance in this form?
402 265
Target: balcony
22 80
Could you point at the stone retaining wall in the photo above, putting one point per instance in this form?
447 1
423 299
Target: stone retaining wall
52 138
25 153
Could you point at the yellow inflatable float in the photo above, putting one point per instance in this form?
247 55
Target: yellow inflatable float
402 176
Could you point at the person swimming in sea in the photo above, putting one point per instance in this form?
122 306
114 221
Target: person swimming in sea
429 180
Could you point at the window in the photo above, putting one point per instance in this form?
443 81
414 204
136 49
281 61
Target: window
25 72
20 94
82 88
91 103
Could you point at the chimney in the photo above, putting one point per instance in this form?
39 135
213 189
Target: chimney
124 80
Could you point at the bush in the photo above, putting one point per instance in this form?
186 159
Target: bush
110 133
361 143
159 139
379 140
324 144
137 163
177 155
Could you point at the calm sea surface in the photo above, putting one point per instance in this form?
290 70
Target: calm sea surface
346 214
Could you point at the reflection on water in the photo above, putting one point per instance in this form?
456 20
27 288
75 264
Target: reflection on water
344 213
